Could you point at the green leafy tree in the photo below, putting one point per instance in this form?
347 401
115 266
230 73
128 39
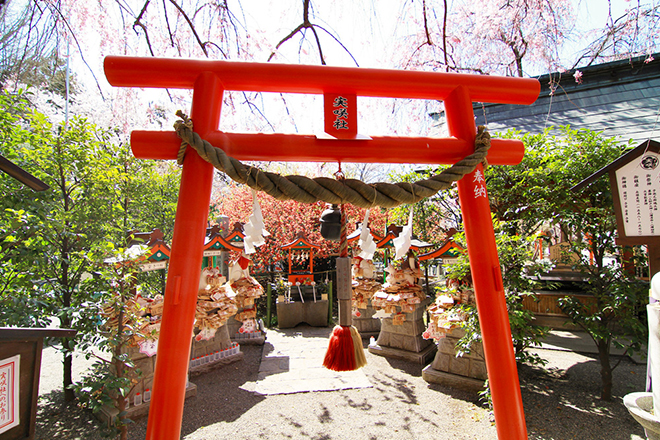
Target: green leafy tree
21 223
539 190
19 242
97 192
518 273
114 374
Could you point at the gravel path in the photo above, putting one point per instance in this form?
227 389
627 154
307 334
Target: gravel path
560 401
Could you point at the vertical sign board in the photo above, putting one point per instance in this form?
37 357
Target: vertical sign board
9 392
20 365
340 111
639 184
635 183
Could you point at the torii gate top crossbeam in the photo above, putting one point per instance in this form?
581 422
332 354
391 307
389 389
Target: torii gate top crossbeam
294 78
183 73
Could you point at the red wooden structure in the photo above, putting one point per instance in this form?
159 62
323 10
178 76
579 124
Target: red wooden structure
393 232
355 235
209 79
448 249
303 248
236 236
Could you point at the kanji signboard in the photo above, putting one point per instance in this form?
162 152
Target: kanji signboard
9 388
639 184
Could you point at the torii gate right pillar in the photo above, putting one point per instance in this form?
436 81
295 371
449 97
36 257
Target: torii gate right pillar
487 279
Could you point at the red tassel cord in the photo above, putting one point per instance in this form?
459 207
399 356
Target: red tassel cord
345 351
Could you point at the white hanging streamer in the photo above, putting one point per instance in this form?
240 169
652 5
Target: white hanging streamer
254 229
236 272
367 243
402 242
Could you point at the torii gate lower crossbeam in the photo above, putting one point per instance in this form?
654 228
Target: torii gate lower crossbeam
209 79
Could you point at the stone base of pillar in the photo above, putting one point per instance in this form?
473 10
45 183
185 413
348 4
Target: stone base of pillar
313 313
366 325
466 372
422 357
432 375
405 341
108 414
255 338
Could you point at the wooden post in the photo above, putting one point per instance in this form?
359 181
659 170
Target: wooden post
487 278
330 302
166 410
269 302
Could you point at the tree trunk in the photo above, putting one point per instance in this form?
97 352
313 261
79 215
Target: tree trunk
68 344
605 369
120 369
120 403
123 432
68 370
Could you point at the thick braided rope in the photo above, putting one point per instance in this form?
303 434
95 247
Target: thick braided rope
306 190
343 236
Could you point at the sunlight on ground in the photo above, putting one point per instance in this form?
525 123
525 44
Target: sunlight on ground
565 334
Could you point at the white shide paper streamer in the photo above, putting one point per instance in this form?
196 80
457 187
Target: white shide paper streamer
402 242
254 229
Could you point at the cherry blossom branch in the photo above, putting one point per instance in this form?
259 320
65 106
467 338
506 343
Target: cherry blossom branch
338 42
167 24
191 25
307 24
138 23
58 13
426 24
444 37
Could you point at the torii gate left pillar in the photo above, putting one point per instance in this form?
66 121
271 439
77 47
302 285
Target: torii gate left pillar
166 409
209 79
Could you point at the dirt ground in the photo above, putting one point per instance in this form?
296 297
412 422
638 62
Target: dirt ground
560 402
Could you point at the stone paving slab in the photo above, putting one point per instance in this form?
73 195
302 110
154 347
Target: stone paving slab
581 342
292 362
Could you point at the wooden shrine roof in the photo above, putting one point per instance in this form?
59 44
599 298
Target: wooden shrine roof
618 98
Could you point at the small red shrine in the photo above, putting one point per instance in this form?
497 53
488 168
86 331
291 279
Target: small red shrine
301 254
159 251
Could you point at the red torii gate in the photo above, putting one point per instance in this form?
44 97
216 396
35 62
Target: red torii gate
209 79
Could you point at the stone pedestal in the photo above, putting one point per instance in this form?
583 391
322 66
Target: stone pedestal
640 406
255 338
108 414
252 338
213 353
146 364
205 355
467 372
366 325
313 313
405 341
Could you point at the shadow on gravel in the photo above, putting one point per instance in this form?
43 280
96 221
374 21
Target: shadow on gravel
220 396
57 419
560 403
455 393
407 367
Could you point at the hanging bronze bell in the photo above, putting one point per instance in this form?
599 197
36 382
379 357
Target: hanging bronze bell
331 223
